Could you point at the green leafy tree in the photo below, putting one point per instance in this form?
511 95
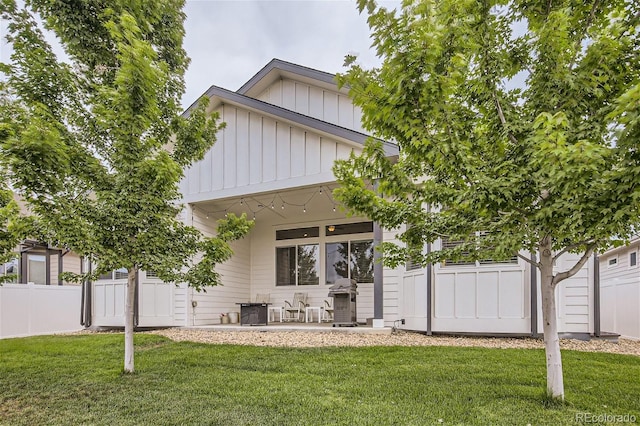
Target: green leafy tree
99 145
517 119
308 264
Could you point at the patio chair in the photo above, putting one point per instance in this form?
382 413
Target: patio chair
295 310
327 310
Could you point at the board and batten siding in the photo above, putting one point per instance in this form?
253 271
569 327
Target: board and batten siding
326 105
256 153
620 293
574 297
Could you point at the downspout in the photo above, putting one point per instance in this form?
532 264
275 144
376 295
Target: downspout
60 266
596 295
378 272
136 310
82 293
85 302
534 297
22 279
89 300
47 266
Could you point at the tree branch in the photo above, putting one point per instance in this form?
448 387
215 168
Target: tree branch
571 272
571 247
595 5
528 260
502 119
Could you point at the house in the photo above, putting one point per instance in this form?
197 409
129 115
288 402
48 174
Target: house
285 128
38 262
36 300
620 290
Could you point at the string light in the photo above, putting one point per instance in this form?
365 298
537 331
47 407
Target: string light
261 205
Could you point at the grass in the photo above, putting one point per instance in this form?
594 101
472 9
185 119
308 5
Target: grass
78 380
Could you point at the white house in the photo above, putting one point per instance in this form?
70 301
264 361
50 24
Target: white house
620 290
284 129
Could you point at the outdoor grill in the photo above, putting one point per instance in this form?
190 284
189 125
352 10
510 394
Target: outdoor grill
344 302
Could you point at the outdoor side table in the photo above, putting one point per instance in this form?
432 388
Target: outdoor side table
308 313
273 310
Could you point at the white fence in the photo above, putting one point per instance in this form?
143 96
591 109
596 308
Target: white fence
30 309
156 305
619 301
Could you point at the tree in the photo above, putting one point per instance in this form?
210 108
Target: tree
516 120
98 145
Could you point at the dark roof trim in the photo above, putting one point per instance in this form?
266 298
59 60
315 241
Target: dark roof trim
291 116
288 67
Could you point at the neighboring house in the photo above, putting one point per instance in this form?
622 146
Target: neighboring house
39 263
620 290
37 300
284 130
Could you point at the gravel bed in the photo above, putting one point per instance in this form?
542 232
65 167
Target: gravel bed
302 339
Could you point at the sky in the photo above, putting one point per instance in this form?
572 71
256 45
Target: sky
229 41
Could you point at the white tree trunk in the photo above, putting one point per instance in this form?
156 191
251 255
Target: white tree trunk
555 383
129 320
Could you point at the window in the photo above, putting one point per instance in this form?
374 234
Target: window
292 234
350 259
446 244
613 262
118 274
449 244
633 258
9 269
349 228
121 274
412 263
299 254
36 269
298 265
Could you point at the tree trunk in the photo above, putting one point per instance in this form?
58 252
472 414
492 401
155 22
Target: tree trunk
555 383
129 320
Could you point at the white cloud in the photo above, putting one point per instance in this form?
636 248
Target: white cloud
229 41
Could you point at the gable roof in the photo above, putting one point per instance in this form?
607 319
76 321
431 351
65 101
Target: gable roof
277 69
219 96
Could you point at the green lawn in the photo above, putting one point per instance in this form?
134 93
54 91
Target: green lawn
77 380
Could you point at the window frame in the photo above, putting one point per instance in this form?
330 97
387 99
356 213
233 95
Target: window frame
358 238
16 264
514 261
296 275
321 241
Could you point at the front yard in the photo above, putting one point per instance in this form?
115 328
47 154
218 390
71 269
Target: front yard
78 380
